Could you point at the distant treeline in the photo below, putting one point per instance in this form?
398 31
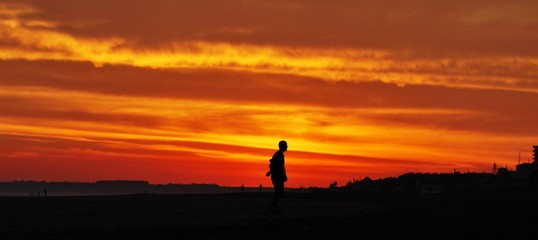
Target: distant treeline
438 183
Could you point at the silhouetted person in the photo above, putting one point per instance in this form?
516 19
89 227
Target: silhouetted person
277 171
260 188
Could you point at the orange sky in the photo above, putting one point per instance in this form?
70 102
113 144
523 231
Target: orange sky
202 91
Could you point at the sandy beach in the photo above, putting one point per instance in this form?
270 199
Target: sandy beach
246 216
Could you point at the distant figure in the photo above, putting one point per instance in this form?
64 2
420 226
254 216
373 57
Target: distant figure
260 188
277 171
242 188
45 192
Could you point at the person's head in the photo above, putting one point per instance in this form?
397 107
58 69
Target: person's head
283 145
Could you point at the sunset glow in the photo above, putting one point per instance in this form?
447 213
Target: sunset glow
180 92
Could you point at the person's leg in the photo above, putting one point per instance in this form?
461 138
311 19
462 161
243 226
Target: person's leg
279 189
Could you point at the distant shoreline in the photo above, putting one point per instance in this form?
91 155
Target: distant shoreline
422 183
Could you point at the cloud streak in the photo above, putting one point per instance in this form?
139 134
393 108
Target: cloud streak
28 36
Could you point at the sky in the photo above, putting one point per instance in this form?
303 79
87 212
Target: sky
182 91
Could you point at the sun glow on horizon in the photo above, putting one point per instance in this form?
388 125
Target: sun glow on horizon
222 124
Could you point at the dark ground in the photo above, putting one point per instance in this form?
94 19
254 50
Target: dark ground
246 216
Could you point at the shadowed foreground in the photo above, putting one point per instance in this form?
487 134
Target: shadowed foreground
246 216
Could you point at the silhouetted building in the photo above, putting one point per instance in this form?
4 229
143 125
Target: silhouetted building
535 153
534 171
524 170
503 172
504 175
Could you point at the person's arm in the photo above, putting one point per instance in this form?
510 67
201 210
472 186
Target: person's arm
267 174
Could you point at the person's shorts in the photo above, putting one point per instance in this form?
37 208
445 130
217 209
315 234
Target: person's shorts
277 183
